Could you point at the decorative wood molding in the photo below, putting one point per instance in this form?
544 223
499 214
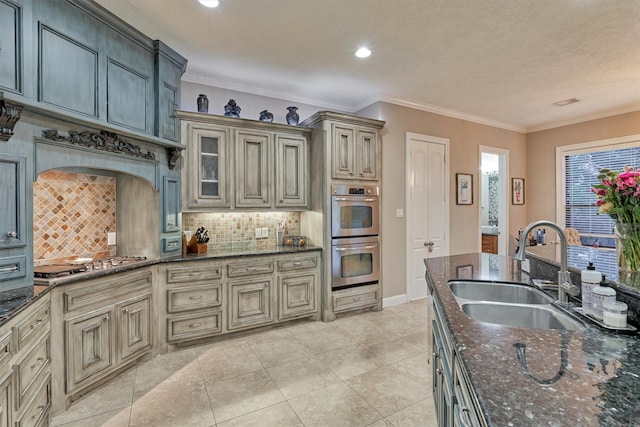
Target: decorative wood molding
174 155
104 141
9 116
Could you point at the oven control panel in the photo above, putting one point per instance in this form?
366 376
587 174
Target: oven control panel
346 190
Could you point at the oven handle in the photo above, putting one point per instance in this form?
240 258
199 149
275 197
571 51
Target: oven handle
345 199
353 249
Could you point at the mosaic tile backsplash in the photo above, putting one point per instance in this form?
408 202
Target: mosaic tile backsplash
72 214
238 229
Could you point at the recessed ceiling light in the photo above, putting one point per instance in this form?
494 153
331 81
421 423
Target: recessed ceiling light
566 102
209 3
363 52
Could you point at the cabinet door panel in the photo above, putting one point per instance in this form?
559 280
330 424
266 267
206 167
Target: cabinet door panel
90 349
367 155
6 387
73 87
171 205
253 169
12 202
250 303
134 329
10 47
296 296
168 119
207 175
291 172
343 152
126 96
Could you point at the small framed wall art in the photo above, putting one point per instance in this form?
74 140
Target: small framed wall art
464 189
517 191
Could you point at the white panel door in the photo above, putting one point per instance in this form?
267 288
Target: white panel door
427 207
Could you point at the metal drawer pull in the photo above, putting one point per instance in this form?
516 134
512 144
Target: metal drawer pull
171 224
195 325
297 263
39 361
195 297
35 324
172 244
9 269
356 299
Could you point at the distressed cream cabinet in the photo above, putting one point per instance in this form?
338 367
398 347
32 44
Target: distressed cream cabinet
243 164
203 299
355 152
105 325
25 363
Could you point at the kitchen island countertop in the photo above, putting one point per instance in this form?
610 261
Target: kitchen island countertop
601 382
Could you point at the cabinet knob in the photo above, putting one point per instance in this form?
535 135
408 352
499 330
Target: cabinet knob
12 234
125 310
439 371
106 317
39 361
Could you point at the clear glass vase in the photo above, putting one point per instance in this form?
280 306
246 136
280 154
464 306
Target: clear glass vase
628 253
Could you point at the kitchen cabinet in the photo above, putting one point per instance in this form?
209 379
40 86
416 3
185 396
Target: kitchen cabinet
253 169
298 282
490 243
194 301
236 163
13 233
25 362
169 68
292 172
106 326
250 293
354 152
11 46
206 171
454 399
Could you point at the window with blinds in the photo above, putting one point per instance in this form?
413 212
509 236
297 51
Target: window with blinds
581 174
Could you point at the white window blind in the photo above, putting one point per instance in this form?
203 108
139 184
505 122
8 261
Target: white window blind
581 174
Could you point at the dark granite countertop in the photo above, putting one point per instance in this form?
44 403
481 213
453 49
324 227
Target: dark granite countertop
13 302
599 386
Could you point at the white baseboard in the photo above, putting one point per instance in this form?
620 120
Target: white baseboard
394 300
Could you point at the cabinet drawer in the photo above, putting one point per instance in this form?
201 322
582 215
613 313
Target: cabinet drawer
191 326
99 293
349 299
32 326
13 267
191 274
297 263
250 268
35 414
30 368
194 298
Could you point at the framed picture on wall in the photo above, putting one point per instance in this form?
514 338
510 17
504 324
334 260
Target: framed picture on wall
464 189
517 191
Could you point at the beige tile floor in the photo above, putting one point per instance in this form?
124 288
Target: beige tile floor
368 369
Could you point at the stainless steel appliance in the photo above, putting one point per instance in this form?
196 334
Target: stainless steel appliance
354 210
43 274
356 261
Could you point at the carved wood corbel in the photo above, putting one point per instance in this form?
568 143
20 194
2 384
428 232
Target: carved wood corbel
9 116
174 155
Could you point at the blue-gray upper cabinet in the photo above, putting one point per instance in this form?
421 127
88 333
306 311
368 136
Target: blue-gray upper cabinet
169 67
76 57
11 46
13 233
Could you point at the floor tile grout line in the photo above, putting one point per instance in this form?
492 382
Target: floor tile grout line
204 383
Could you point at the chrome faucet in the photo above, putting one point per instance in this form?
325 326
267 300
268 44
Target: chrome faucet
565 287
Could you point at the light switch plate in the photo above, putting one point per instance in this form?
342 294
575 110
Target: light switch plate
399 213
111 238
258 233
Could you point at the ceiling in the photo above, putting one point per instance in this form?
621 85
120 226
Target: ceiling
499 62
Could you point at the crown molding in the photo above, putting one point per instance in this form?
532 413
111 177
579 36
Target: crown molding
611 113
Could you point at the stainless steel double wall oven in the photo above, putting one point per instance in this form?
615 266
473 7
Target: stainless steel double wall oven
355 227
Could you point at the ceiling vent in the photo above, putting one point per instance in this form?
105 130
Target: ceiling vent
566 102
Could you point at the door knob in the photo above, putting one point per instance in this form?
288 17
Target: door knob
429 245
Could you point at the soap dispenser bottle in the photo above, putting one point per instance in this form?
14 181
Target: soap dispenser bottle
602 294
590 278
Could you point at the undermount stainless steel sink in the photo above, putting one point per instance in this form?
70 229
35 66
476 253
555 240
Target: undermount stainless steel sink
498 292
521 316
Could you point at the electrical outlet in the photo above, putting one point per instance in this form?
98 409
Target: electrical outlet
258 233
399 213
111 238
265 232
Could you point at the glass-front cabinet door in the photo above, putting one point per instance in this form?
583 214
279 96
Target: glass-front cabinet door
209 166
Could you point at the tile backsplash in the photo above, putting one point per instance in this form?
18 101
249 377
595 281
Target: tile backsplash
238 228
72 214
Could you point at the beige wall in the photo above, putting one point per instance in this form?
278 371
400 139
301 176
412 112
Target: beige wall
465 138
541 157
